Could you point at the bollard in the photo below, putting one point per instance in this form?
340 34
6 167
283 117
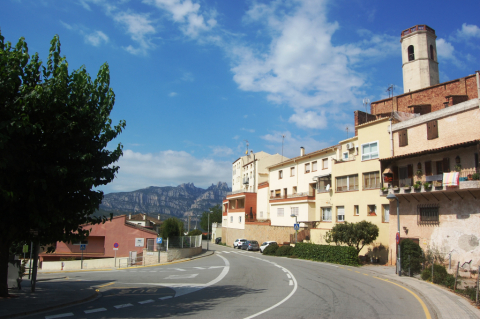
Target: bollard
455 286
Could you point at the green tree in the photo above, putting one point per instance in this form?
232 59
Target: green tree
356 235
54 131
412 256
172 227
215 217
194 232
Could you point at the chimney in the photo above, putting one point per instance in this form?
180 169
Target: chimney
129 216
144 216
158 216
302 151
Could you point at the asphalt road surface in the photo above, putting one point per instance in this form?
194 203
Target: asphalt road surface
238 284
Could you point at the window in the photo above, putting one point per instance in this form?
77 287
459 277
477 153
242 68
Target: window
340 213
372 210
314 166
292 171
278 193
347 183
294 189
402 138
428 213
272 193
307 168
239 219
386 213
285 192
279 212
432 130
327 214
428 168
325 163
371 180
369 151
411 53
355 210
432 54
280 174
294 211
323 182
231 219
345 156
443 166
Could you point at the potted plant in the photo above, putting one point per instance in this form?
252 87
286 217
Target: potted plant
427 185
384 189
458 168
419 172
476 177
417 186
469 177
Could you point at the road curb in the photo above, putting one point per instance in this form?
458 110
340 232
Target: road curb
28 313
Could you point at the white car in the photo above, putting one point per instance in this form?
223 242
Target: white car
266 244
238 242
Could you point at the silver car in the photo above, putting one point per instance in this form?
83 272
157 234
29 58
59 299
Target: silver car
250 245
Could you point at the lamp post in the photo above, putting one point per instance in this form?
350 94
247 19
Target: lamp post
296 231
391 197
208 229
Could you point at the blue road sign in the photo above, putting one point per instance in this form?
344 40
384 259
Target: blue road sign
296 226
83 246
159 240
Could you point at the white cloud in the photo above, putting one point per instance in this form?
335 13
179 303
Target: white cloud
172 94
85 5
138 27
187 14
96 38
138 170
446 51
468 31
221 150
301 67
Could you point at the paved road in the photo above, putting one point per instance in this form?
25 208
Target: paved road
239 284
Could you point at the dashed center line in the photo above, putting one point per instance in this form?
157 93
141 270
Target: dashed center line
95 310
68 314
164 298
146 301
123 306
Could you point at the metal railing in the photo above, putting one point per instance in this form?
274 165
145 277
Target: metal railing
184 242
301 194
238 191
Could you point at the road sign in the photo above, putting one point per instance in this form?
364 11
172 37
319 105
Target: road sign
159 240
115 245
397 237
115 248
25 248
83 247
296 226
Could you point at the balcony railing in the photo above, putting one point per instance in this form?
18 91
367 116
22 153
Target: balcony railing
245 180
302 194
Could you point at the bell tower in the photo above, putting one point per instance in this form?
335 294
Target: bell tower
419 58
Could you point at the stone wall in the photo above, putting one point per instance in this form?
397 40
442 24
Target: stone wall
260 233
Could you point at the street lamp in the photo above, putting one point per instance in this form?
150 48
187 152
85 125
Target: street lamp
391 197
293 215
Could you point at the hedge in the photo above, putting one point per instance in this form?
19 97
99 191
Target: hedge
284 251
344 255
270 250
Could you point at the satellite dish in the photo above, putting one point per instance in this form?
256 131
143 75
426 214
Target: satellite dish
327 188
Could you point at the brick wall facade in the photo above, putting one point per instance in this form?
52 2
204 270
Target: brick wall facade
451 92
361 118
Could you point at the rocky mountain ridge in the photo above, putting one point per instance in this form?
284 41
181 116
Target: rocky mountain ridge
180 201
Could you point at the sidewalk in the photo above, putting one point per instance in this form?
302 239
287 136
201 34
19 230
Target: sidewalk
55 293
445 303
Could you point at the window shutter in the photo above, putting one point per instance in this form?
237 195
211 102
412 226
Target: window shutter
395 173
432 130
446 164
403 138
428 168
410 171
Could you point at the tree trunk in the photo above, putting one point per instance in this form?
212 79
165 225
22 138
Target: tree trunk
4 251
35 266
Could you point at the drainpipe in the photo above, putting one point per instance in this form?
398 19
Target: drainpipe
391 135
478 87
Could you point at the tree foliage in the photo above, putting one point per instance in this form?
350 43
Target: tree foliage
215 217
356 235
412 256
194 232
54 131
172 227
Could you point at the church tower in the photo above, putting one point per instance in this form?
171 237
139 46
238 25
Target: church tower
419 58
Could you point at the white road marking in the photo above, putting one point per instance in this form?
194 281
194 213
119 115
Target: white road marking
164 298
198 267
146 301
182 276
213 267
290 283
179 269
95 310
288 275
123 306
153 271
68 314
284 270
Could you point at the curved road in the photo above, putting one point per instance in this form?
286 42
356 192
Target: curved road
239 284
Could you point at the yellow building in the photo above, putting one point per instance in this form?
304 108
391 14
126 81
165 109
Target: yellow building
352 192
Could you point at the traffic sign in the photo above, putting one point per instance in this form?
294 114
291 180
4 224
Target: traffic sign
159 240
397 237
83 246
115 245
296 226
25 248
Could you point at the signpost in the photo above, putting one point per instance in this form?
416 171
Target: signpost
397 239
82 248
25 250
296 226
115 248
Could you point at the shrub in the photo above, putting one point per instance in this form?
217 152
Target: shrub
439 274
409 248
270 250
356 235
345 255
194 232
284 251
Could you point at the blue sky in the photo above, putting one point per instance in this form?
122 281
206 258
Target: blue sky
194 79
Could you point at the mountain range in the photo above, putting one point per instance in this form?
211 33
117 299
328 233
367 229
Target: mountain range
180 201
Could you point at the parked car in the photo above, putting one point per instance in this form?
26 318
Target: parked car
265 245
250 245
238 243
218 240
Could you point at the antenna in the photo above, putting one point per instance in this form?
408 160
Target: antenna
391 89
283 138
366 102
247 147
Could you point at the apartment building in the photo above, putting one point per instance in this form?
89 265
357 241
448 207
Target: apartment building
351 192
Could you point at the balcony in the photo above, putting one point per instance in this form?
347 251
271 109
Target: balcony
293 197
245 180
